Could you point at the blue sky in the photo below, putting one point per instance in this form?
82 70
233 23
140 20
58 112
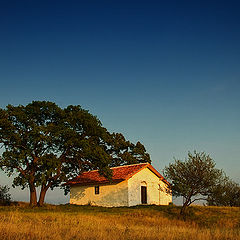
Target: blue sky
166 73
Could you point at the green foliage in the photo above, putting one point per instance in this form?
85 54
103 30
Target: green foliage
193 178
46 145
5 197
225 193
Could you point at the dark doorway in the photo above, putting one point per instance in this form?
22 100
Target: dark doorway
144 194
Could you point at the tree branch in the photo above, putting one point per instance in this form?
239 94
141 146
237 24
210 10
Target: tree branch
197 199
21 170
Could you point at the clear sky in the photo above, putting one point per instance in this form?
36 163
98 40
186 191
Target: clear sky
166 73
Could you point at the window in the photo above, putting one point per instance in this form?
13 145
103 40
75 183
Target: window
96 189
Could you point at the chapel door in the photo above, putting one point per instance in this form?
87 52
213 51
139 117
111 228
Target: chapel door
144 194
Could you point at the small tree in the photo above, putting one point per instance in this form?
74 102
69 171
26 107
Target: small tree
193 178
5 197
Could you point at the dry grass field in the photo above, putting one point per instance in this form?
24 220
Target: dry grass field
142 222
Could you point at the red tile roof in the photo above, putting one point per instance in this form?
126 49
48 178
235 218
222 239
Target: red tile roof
120 173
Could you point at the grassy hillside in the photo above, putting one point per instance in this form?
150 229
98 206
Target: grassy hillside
142 222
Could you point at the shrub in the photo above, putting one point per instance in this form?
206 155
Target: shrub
5 197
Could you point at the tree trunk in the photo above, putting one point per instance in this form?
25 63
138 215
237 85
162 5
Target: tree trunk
185 205
183 209
33 195
42 195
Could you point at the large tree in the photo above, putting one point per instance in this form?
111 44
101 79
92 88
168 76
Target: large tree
44 145
194 178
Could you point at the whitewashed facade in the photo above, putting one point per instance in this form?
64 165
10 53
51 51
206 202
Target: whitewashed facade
146 186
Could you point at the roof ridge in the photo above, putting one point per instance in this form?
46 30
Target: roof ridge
118 167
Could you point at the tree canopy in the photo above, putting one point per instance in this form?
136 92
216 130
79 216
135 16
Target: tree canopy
45 145
194 178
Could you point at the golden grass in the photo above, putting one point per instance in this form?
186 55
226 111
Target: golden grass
72 222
